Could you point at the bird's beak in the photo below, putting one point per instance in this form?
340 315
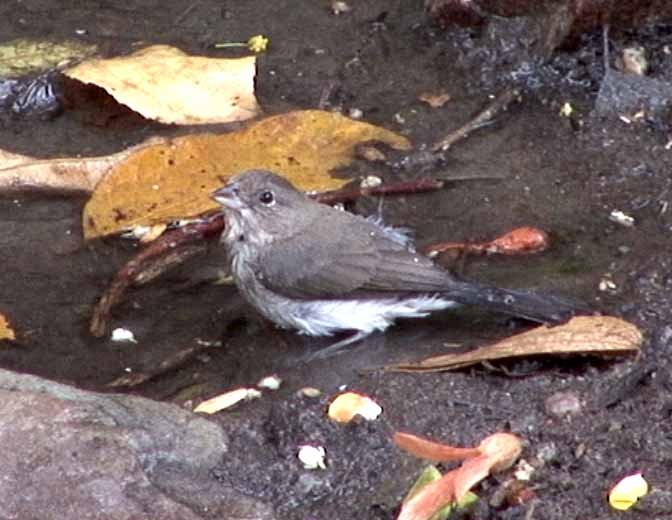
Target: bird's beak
228 196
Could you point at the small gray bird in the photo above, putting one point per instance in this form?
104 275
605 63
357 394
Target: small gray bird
307 266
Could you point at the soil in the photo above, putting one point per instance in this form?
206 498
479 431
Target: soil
531 167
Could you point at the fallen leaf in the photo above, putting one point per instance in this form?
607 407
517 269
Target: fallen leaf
174 180
21 172
6 331
628 491
227 400
602 335
166 84
496 452
21 57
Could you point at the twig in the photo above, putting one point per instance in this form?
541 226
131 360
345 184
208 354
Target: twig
499 104
186 13
167 251
327 90
394 188
172 362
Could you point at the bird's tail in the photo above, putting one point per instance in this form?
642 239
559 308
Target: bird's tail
521 303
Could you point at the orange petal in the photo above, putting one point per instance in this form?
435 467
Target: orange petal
503 449
429 499
521 240
430 450
470 473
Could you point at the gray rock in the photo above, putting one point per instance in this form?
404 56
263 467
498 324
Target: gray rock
68 453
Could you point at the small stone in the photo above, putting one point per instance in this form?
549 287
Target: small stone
339 7
633 61
272 382
607 285
355 113
310 391
562 404
123 335
547 452
621 218
370 181
312 457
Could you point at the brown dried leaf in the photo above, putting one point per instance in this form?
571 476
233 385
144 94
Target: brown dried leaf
22 172
164 83
174 180
602 335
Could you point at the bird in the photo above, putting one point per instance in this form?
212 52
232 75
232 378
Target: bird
320 270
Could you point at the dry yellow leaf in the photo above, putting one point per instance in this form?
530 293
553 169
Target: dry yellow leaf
175 179
601 335
164 83
6 331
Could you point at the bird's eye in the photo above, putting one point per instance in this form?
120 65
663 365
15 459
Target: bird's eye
267 197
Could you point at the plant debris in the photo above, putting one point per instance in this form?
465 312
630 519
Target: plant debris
345 407
520 241
168 85
227 400
595 335
174 180
495 453
628 491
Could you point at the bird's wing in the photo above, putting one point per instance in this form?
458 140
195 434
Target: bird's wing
352 257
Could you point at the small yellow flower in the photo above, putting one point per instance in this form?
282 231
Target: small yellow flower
257 43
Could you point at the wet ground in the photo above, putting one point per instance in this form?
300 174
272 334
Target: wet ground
532 167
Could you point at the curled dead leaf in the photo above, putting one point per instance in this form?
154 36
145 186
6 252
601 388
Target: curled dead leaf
597 335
